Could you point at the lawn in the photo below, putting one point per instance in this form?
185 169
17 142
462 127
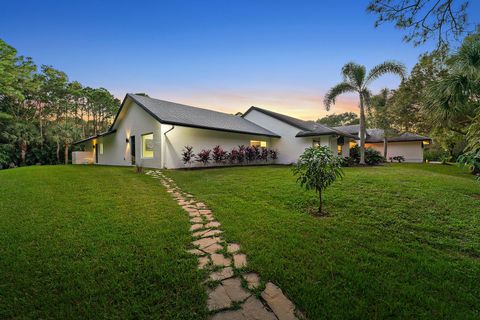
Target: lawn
94 242
401 241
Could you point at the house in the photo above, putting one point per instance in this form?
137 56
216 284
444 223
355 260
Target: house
152 133
408 145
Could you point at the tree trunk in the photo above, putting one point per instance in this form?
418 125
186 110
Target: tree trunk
362 131
385 146
23 151
66 153
58 152
320 202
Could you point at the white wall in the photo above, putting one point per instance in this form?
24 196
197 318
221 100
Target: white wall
411 151
133 120
289 147
199 139
82 157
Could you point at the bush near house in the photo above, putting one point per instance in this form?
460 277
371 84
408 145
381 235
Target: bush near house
372 157
236 156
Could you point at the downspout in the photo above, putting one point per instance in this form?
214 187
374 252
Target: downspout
164 148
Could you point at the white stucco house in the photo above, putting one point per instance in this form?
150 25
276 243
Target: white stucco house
152 133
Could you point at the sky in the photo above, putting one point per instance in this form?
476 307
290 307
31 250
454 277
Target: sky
221 55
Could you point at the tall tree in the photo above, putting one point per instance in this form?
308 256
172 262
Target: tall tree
23 135
341 119
422 20
356 79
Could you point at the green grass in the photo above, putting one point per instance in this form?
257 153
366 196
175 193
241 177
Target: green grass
402 241
94 242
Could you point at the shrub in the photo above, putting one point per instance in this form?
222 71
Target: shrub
264 154
233 156
372 156
273 154
317 168
471 159
204 156
241 154
219 155
250 154
434 154
399 159
187 154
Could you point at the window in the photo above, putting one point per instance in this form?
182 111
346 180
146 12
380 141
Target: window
257 143
339 149
100 149
316 143
147 145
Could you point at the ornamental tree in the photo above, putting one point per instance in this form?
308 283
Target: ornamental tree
317 168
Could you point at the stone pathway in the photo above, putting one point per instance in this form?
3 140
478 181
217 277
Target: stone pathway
233 293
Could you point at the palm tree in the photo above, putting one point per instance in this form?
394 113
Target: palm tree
356 79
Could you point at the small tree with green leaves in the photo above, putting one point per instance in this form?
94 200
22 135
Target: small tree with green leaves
317 168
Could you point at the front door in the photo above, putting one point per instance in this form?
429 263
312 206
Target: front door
132 148
96 152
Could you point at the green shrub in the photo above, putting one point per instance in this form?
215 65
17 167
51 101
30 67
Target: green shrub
372 157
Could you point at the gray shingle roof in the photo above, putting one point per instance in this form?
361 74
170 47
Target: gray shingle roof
308 128
376 135
188 116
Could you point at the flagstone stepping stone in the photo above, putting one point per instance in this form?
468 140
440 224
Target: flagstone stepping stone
213 224
218 299
229 315
253 309
200 233
233 247
205 211
196 252
208 217
219 259
240 260
193 214
202 262
278 302
213 248
205 242
212 233
196 220
196 227
234 289
201 205
253 280
222 274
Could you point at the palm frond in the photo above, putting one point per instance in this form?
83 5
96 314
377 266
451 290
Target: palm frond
334 92
354 73
392 67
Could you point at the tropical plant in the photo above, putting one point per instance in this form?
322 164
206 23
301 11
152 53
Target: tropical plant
22 135
372 156
399 159
356 79
204 156
187 155
471 159
317 168
341 119
273 154
264 154
219 155
241 154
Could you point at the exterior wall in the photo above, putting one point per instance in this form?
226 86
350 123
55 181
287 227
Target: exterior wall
133 121
199 139
411 151
289 147
82 157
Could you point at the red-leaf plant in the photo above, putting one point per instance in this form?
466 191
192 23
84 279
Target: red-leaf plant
219 155
187 154
204 156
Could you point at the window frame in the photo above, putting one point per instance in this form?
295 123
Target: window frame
142 156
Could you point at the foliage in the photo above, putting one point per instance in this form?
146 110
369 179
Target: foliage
341 119
219 155
187 154
204 156
56 110
434 154
471 159
423 20
372 157
399 159
317 168
273 154
356 79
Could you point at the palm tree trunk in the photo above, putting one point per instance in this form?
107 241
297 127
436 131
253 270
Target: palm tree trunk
362 131
66 153
385 146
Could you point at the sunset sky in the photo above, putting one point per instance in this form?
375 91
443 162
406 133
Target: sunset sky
222 55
